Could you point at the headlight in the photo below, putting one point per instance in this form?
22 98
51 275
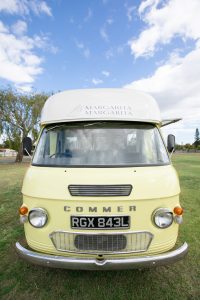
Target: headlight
38 217
163 217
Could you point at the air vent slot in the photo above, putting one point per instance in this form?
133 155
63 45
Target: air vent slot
100 190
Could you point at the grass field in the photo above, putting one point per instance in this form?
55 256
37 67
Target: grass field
19 280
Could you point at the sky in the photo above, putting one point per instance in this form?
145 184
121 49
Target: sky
150 45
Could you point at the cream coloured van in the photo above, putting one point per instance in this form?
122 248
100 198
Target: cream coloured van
101 192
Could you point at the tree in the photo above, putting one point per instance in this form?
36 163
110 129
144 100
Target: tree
19 117
197 138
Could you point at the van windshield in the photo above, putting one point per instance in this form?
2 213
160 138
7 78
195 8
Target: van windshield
100 144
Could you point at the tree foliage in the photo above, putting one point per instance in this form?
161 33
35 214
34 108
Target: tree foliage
19 117
197 138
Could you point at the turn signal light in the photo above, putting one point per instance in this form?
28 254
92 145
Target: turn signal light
178 210
23 210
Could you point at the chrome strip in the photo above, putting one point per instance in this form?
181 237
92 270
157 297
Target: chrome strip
77 263
102 233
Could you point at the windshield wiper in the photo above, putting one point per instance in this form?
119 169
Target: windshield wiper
91 124
74 126
56 126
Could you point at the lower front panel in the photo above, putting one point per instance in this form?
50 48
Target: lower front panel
59 238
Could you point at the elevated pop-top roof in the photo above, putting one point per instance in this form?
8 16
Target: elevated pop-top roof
100 104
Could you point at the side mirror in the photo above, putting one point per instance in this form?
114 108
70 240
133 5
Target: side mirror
27 146
170 143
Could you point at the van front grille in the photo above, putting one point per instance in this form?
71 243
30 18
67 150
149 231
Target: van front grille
101 243
100 190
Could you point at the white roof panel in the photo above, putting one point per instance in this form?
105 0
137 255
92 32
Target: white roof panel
100 104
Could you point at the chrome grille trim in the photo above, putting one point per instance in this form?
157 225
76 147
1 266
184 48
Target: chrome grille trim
100 190
112 243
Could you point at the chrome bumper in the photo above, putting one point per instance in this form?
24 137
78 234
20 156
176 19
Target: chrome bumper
64 262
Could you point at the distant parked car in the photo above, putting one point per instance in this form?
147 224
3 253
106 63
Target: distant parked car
7 152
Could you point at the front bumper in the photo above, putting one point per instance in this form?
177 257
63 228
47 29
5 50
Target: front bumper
56 261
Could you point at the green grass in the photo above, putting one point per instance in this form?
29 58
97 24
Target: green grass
19 280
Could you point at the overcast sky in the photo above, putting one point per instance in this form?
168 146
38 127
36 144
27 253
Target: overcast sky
150 45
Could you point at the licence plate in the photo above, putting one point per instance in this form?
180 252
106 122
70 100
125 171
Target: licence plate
120 222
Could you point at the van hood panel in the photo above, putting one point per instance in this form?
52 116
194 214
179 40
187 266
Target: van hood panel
147 182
